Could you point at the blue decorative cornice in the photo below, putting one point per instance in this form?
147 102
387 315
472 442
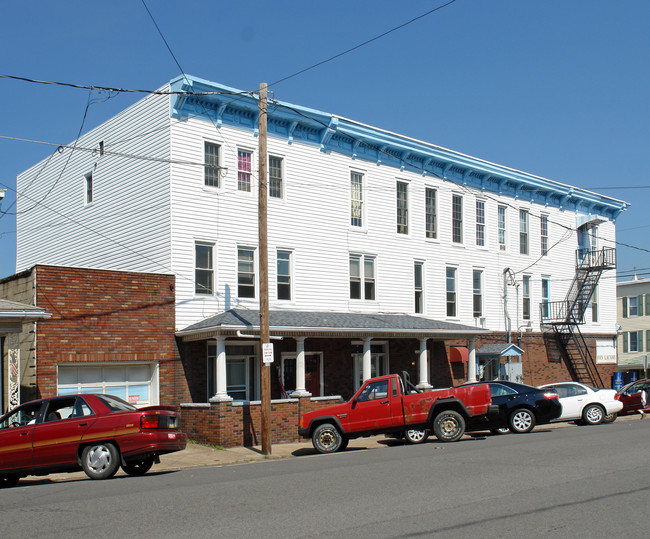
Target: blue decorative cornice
224 105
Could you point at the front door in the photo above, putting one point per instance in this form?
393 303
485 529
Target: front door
312 374
371 409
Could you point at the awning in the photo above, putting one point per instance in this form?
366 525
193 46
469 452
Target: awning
458 354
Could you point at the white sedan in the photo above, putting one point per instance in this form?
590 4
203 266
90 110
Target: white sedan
586 404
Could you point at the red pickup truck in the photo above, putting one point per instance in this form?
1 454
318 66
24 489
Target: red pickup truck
386 405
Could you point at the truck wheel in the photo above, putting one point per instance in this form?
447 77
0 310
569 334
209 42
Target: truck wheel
326 438
416 436
449 426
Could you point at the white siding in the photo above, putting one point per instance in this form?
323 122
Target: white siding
126 227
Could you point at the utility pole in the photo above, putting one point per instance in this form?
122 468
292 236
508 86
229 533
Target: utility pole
265 340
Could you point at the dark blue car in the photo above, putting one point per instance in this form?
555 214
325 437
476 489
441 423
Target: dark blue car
521 407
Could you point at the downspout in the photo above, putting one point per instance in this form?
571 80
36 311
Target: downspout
507 273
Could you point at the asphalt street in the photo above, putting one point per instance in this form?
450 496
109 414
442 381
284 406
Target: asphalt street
578 481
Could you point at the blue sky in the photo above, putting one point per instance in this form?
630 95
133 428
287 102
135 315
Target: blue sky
552 87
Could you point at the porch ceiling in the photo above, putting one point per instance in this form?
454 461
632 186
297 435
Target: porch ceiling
327 324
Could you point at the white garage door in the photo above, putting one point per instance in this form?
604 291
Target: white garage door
137 384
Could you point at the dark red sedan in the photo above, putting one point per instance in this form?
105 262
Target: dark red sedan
96 433
635 397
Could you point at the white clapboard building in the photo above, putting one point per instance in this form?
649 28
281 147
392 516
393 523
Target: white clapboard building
386 253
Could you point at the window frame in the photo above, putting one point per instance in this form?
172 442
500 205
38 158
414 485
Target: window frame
88 188
477 293
367 286
451 294
402 201
546 296
211 177
288 276
240 284
457 219
543 234
431 213
525 297
357 204
276 183
244 177
480 223
524 232
207 270
418 288
502 227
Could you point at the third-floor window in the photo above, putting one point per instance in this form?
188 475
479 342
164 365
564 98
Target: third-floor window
402 208
356 199
457 219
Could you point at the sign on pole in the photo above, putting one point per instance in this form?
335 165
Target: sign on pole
267 352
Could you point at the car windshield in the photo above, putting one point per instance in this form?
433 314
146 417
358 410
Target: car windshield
116 404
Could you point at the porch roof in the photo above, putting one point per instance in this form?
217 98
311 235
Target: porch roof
14 310
500 349
329 324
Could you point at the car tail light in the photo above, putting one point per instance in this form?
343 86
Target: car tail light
150 421
617 397
550 395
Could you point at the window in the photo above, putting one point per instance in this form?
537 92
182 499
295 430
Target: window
523 232
211 159
477 286
632 306
204 270
284 275
525 292
546 296
480 223
418 286
362 281
402 208
633 341
543 231
356 199
451 291
502 227
430 213
374 391
88 183
457 219
246 273
594 305
244 170
275 176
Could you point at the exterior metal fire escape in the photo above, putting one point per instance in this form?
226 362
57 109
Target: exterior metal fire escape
566 316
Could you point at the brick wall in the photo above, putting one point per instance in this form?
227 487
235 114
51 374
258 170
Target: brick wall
227 425
107 316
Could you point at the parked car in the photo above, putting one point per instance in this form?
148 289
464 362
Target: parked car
521 407
586 404
96 433
631 396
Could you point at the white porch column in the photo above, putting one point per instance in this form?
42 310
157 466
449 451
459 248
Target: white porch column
471 363
300 390
220 372
423 366
367 359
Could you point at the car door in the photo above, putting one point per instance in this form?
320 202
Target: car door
16 435
371 409
57 436
572 398
506 399
631 399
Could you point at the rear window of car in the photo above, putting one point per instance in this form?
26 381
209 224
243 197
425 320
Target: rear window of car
116 404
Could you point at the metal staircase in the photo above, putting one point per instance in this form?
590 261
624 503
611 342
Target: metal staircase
566 316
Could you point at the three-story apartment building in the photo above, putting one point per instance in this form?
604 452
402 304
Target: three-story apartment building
386 253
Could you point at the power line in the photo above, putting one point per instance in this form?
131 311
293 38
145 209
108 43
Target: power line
362 44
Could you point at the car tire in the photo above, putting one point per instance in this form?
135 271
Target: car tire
100 460
593 414
327 438
449 426
139 466
610 418
502 430
416 436
9 481
522 420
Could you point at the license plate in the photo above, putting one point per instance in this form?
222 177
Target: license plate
171 435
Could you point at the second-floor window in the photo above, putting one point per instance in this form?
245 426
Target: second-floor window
480 223
244 170
543 234
402 208
633 341
418 282
501 224
275 176
211 160
632 306
88 185
284 275
594 305
477 285
457 219
204 269
546 297
245 272
523 232
430 213
525 295
451 291
356 199
362 277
